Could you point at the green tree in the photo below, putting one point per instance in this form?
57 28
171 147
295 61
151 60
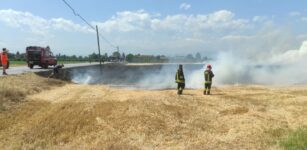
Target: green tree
189 57
17 56
116 54
80 58
205 58
94 57
198 56
129 57
73 57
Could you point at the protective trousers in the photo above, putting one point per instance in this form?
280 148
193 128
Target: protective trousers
180 88
207 88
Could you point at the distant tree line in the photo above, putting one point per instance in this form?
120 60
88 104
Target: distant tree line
94 57
120 57
190 58
138 58
17 56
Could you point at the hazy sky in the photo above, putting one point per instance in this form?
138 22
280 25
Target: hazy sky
173 27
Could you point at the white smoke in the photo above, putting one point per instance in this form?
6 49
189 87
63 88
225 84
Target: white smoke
292 56
165 78
282 69
286 68
161 79
82 79
195 79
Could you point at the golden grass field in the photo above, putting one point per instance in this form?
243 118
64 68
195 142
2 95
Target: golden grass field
37 113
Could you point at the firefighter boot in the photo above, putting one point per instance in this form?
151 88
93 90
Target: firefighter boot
179 91
208 92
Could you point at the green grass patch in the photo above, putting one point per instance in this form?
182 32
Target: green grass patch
18 63
71 62
273 136
296 140
15 63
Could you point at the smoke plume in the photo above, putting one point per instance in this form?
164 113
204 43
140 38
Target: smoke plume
286 68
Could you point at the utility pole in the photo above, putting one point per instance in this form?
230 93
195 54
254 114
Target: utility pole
98 44
117 50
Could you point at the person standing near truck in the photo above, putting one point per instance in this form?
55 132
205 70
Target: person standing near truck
208 79
4 60
56 70
180 80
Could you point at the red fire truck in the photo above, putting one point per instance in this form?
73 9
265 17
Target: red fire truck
41 56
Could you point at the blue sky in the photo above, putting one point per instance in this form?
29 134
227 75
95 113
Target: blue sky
171 27
104 9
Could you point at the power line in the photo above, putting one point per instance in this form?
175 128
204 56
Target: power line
91 26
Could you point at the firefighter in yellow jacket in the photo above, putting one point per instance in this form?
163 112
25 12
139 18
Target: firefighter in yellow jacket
208 79
180 80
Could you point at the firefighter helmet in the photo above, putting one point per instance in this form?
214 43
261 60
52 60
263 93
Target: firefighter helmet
180 66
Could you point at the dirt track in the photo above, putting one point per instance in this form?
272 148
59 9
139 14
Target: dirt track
99 117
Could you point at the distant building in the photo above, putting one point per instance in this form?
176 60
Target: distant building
143 58
149 58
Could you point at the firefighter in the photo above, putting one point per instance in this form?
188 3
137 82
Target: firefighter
4 60
56 70
208 79
180 80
